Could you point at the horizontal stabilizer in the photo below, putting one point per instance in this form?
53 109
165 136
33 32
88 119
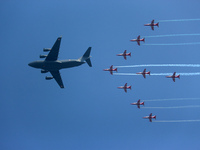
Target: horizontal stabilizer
86 57
89 62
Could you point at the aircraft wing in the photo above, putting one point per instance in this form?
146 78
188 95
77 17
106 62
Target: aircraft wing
173 79
111 72
138 106
150 119
125 57
152 22
152 27
144 75
125 89
138 42
57 77
53 54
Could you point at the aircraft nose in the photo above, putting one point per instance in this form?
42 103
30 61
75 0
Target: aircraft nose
30 64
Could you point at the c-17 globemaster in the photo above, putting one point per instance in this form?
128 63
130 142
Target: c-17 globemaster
52 65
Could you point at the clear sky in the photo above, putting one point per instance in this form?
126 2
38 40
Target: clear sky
91 113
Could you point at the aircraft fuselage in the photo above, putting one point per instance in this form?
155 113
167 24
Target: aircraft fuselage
55 65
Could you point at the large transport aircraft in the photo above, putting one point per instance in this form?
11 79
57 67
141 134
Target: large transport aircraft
150 117
138 40
173 76
138 103
152 24
52 65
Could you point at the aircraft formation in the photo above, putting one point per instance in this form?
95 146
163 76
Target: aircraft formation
143 73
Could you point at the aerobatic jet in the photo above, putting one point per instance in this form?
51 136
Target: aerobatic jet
125 87
53 65
110 69
152 24
124 54
173 76
137 40
138 103
150 117
144 73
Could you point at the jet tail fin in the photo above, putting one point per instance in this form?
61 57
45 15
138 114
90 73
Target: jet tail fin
86 57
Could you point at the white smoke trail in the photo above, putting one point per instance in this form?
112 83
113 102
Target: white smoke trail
171 99
173 107
172 35
177 121
175 20
160 65
159 74
174 44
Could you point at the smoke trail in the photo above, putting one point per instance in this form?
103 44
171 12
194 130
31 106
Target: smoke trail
174 107
159 74
160 65
177 121
175 20
174 44
171 99
171 35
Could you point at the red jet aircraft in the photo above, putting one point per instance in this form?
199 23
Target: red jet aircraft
137 40
125 87
110 69
173 76
124 54
138 103
144 73
152 24
150 117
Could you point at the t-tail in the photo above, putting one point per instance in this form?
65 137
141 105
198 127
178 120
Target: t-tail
86 57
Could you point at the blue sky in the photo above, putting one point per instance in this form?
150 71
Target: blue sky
91 113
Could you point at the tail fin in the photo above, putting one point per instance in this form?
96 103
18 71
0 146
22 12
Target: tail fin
86 57
158 24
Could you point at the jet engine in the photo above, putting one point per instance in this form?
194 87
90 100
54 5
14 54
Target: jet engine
46 49
43 56
49 78
44 71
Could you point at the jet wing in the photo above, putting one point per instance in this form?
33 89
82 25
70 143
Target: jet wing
152 27
125 57
150 119
53 54
111 72
138 106
173 79
125 89
138 42
57 77
144 75
152 22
